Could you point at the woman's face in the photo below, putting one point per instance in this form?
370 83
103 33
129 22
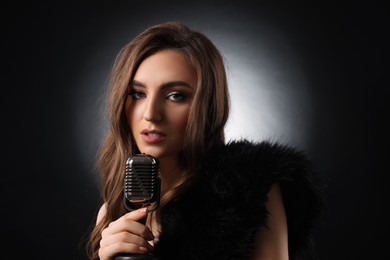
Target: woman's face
159 104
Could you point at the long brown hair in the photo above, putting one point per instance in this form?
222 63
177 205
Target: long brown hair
206 122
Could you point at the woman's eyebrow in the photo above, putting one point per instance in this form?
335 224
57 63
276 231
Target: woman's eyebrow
136 83
176 83
169 84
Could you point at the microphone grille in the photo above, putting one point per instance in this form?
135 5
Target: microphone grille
142 181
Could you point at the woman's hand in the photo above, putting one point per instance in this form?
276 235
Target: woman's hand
126 235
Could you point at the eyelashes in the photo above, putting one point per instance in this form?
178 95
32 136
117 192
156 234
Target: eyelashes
137 94
176 96
172 96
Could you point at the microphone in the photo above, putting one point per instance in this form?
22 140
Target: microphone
141 189
142 182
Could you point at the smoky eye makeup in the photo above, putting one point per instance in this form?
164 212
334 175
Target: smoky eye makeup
176 96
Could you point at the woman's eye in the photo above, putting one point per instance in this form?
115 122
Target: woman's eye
137 94
176 97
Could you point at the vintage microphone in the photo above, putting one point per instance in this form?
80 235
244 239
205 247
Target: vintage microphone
141 189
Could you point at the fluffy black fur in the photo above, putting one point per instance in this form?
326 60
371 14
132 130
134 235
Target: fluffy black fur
219 216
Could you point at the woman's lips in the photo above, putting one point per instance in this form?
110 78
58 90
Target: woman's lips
152 136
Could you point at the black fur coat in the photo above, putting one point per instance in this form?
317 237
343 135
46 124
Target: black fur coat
219 215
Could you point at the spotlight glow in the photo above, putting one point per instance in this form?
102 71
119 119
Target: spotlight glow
268 90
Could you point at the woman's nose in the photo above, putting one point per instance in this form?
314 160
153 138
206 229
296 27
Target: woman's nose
153 110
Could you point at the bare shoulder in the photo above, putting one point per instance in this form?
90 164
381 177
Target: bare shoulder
102 212
272 243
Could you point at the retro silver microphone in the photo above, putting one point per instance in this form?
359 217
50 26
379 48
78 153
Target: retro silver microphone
141 189
142 182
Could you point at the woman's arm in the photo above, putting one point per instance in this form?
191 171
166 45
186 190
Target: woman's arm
272 242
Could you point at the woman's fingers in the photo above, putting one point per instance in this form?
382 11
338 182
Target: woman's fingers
107 253
136 215
129 222
126 238
126 235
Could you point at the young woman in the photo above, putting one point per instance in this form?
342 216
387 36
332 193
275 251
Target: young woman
168 98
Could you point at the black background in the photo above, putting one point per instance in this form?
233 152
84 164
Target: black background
50 195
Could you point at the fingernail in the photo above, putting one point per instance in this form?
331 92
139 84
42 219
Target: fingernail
143 210
143 249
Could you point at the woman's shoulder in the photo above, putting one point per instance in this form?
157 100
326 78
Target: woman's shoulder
101 213
258 165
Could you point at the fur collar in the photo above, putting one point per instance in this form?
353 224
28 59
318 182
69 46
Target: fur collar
219 216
